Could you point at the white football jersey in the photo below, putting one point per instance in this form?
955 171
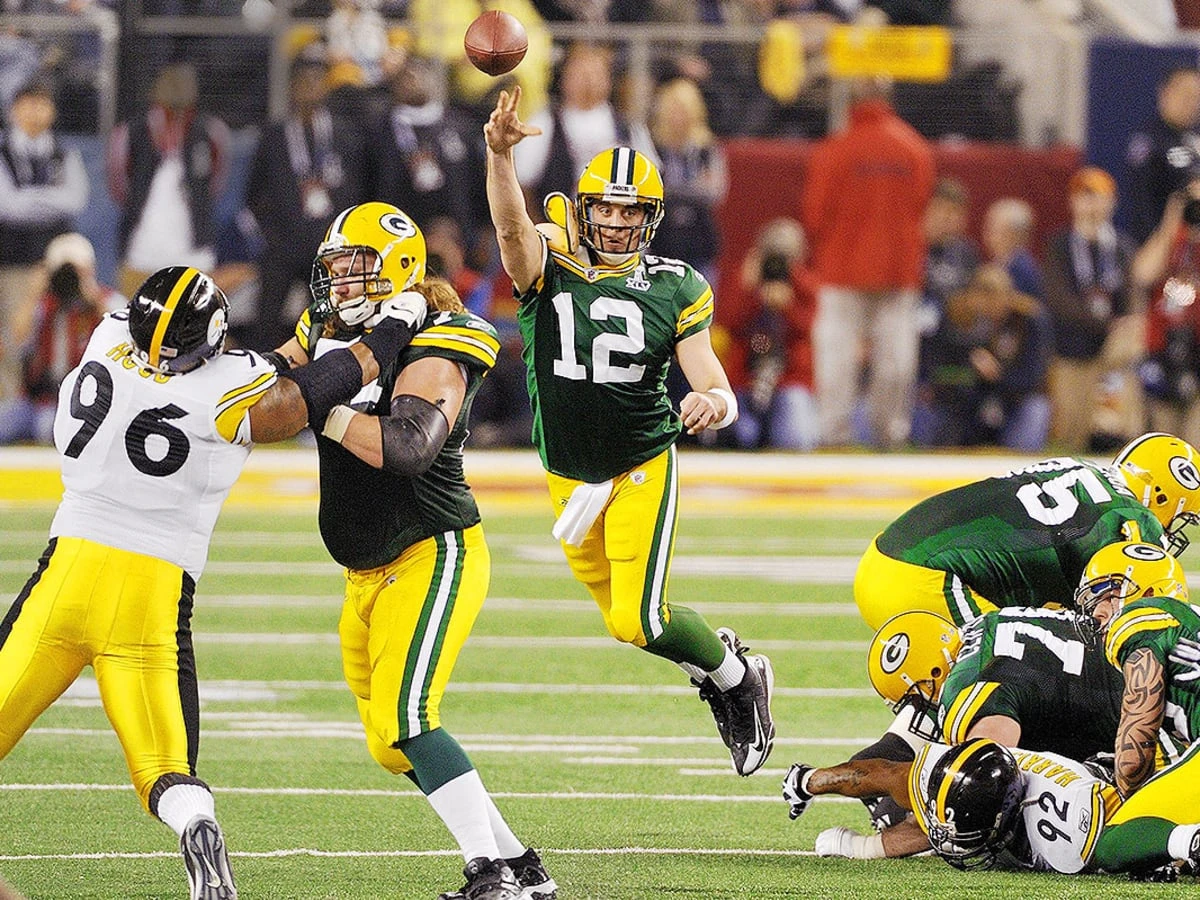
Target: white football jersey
1063 813
148 460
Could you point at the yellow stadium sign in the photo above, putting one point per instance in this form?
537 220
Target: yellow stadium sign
906 53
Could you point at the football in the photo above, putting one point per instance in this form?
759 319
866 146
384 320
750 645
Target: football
495 42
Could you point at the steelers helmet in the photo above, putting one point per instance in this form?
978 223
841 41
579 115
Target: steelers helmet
624 176
178 319
968 801
1162 472
1126 571
908 661
374 245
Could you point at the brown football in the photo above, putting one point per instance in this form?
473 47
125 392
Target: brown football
495 42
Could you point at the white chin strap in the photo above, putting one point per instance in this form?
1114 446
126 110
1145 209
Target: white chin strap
356 311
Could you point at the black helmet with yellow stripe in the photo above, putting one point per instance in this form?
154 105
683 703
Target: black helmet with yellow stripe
178 319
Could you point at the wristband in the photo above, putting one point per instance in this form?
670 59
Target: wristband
731 407
337 422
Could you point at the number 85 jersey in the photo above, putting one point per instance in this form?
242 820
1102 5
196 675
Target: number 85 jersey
148 459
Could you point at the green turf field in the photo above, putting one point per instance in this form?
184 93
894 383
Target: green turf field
600 756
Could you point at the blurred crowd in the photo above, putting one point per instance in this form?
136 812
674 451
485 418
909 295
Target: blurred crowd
871 317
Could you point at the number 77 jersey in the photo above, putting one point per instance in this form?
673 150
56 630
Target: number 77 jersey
598 344
1020 539
148 459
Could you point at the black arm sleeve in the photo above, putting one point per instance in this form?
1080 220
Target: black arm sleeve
413 435
278 360
387 339
890 747
325 382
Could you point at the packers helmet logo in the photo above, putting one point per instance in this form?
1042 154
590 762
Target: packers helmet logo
894 652
1185 472
1144 552
398 224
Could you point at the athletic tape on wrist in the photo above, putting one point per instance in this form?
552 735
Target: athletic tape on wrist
731 407
337 422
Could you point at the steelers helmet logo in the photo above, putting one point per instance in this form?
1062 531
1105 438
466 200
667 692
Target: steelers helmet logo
893 653
216 327
1185 472
1144 552
398 224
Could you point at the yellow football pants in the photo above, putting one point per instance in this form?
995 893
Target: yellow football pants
127 616
401 630
625 559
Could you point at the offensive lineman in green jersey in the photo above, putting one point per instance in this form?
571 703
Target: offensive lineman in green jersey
601 319
1023 539
1136 597
396 511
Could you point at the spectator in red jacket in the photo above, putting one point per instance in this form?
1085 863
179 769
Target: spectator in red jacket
863 206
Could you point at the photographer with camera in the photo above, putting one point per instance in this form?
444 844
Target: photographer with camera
1168 267
51 329
777 303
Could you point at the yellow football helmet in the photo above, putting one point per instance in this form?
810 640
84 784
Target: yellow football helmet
1162 472
909 659
1126 571
375 245
625 176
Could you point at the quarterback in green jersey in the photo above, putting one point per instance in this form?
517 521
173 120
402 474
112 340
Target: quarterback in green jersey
601 319
1023 539
1136 597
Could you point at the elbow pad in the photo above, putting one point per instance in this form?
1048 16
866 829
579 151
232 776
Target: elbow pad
325 382
413 435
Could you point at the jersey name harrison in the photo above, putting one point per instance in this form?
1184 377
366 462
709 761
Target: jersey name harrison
1047 768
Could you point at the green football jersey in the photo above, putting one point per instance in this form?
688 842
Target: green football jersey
1024 538
1171 631
598 342
368 516
1032 666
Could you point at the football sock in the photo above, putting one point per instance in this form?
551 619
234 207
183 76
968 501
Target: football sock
730 673
1140 843
463 805
1180 840
695 673
687 638
436 758
509 845
180 803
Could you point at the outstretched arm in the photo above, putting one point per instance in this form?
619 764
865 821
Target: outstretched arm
520 245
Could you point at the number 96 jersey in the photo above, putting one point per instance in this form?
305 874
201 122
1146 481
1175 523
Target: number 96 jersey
148 459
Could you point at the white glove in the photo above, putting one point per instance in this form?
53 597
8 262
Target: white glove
1186 653
837 841
794 791
408 307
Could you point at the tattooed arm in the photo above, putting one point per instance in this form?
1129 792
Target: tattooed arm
1142 709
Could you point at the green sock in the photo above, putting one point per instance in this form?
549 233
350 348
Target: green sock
1140 843
436 758
688 639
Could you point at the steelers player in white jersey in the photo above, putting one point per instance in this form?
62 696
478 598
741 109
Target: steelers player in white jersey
396 511
153 428
601 319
